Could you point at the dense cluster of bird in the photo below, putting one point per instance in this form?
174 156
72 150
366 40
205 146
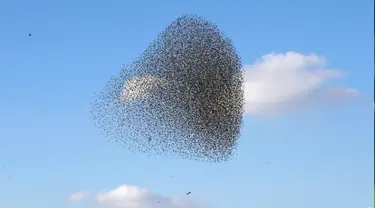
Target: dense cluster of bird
182 97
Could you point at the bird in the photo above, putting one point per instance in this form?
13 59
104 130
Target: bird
188 193
29 34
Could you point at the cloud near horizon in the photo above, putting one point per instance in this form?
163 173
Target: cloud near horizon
275 84
78 196
127 196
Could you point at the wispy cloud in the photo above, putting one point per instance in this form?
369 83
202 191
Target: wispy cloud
126 196
78 196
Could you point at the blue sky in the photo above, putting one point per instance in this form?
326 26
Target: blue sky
313 156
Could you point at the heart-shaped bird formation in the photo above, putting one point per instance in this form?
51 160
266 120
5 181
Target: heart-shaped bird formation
183 97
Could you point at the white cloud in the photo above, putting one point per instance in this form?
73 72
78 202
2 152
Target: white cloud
282 83
78 196
277 83
139 86
126 196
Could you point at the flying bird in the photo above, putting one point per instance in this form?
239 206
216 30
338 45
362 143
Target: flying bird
29 34
188 193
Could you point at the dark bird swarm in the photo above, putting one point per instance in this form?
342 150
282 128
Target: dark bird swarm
196 110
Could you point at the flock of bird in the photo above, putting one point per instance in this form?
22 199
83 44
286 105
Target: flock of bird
182 97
